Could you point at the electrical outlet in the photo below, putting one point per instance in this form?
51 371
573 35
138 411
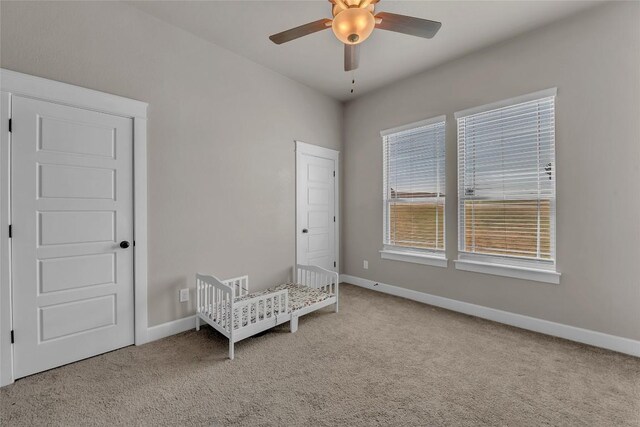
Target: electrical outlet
365 264
184 295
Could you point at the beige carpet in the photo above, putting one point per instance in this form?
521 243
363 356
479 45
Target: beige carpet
381 361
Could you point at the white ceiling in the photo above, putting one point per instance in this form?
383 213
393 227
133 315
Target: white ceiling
317 60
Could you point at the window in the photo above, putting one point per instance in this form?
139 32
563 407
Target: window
414 197
506 186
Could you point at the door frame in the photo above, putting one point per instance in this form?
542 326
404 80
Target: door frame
326 153
24 85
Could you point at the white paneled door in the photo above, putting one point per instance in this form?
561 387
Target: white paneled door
72 226
316 208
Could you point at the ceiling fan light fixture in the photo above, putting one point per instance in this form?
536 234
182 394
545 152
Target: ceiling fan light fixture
353 25
354 21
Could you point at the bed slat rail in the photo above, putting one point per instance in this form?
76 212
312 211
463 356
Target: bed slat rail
262 308
317 277
214 299
240 285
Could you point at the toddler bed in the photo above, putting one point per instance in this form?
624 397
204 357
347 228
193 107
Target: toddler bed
229 308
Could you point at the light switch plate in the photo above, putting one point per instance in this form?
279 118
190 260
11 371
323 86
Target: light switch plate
365 264
184 295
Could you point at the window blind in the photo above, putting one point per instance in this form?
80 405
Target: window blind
506 182
414 182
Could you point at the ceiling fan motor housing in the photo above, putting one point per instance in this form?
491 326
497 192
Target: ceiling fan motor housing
351 4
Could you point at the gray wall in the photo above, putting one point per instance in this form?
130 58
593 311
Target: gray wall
594 60
220 133
221 160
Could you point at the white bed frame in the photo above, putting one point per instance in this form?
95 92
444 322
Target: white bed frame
215 303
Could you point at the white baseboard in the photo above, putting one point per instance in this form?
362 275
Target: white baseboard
171 328
585 336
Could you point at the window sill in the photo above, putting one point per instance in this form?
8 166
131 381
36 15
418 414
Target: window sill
414 257
526 273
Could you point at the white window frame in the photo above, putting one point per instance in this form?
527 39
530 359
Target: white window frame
406 254
503 265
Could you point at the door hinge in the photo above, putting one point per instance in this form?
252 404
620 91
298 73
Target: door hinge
12 337
334 174
10 125
10 231
334 263
334 219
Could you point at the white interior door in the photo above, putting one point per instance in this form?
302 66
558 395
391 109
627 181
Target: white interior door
316 207
72 207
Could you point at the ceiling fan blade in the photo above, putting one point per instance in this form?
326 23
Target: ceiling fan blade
408 25
302 30
351 56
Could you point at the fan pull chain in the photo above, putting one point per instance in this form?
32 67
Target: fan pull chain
353 81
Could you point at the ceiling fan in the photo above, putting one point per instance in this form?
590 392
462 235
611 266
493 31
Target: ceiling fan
354 21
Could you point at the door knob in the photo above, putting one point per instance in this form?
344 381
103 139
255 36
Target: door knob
304 230
124 244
